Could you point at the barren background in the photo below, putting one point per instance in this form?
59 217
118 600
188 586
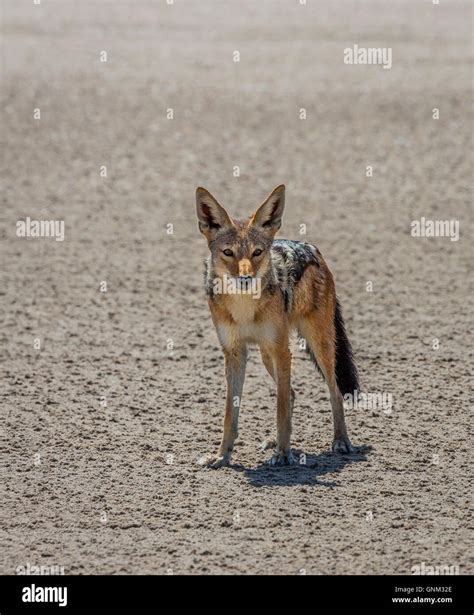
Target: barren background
65 459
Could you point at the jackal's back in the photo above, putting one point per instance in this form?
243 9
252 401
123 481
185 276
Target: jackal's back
290 260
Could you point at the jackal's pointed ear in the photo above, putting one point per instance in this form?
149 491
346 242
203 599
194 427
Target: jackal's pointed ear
212 217
268 216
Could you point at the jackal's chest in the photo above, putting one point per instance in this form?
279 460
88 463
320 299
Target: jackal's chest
243 309
246 323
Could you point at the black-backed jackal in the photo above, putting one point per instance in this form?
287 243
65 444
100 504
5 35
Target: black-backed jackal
259 290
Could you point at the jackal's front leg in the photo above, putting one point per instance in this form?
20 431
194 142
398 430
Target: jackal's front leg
282 370
235 362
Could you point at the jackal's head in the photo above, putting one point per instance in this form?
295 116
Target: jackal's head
240 249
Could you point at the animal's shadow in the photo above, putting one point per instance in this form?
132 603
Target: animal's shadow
307 472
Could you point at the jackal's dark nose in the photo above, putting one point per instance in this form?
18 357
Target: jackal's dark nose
245 278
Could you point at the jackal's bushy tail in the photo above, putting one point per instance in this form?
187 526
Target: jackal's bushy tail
347 377
346 371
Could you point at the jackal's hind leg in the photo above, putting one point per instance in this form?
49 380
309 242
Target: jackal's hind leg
321 340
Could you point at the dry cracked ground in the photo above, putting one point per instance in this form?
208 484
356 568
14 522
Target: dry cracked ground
102 425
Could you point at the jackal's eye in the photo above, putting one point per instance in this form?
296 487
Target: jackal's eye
257 252
228 252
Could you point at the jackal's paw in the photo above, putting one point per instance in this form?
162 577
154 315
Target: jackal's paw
342 445
281 458
268 444
214 461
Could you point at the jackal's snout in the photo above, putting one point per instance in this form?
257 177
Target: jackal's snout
246 270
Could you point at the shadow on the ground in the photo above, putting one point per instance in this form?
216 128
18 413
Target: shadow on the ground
308 473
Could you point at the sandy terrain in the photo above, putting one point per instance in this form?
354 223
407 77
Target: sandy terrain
115 488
